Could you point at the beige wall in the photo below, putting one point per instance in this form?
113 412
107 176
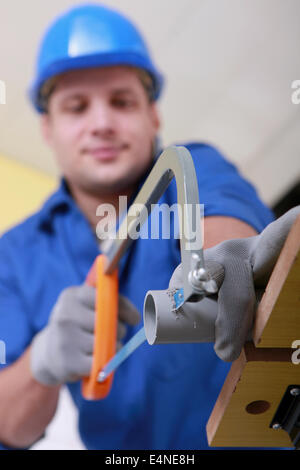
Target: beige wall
229 65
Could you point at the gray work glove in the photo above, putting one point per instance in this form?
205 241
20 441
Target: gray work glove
63 351
248 264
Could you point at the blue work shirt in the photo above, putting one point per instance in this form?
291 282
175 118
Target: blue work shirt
162 395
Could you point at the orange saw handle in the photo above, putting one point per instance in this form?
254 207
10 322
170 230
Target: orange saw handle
106 318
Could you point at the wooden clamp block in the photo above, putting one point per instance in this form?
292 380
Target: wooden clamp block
258 379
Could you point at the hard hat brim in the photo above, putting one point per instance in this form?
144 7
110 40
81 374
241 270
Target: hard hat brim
90 61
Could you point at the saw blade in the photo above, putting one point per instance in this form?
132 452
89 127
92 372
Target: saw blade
122 354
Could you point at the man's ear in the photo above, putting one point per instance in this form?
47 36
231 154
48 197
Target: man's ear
45 126
155 117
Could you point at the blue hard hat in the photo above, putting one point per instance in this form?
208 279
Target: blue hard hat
90 36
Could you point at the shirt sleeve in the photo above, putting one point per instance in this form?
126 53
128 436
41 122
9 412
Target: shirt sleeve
224 191
15 331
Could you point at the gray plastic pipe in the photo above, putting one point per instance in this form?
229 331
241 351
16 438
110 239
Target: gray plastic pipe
191 323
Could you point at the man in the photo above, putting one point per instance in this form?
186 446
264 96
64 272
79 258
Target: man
96 90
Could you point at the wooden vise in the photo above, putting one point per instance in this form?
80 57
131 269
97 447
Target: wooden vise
259 404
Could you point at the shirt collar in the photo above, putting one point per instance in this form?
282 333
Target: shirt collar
145 175
62 200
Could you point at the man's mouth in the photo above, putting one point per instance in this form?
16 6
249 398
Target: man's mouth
104 153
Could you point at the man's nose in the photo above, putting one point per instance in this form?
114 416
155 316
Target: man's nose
101 119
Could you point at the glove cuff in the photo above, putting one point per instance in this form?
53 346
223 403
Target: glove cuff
39 360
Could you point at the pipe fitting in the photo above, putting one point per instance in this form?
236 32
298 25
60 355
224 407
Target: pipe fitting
191 323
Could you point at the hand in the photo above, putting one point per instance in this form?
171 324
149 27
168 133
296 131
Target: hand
63 351
248 264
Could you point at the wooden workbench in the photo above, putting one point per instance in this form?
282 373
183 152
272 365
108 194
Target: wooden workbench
259 378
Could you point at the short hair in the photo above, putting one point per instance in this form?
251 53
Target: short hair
49 86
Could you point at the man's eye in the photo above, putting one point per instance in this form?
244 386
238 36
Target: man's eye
123 103
75 108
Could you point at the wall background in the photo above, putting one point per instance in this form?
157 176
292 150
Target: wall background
229 66
22 189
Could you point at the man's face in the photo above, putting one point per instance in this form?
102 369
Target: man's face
101 127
